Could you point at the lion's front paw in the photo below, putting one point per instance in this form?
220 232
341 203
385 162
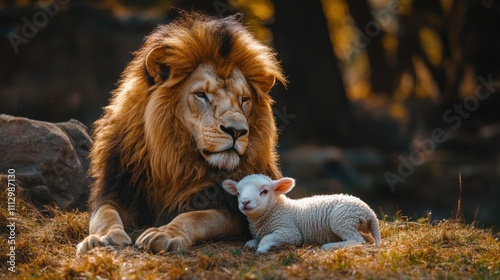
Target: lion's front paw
162 239
112 238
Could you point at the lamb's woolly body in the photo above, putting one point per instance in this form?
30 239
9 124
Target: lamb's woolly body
331 220
311 220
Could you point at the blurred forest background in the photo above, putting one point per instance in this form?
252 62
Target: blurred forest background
388 100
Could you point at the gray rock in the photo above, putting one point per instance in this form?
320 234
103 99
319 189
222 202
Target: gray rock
50 160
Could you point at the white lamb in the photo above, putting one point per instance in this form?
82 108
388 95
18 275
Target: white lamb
332 220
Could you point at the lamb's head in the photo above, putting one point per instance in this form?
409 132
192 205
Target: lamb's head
256 192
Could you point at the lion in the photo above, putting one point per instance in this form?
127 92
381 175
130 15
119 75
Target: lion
191 109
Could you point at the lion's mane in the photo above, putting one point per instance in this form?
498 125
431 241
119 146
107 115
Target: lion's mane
154 169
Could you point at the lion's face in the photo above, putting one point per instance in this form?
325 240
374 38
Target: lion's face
216 112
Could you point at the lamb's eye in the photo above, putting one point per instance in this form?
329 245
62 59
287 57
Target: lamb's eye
201 95
264 192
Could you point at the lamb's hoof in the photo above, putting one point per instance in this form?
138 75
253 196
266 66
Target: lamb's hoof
327 247
262 251
252 243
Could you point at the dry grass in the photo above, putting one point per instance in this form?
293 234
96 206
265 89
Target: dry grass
45 249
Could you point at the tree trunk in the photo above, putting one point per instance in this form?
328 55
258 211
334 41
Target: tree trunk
381 72
316 94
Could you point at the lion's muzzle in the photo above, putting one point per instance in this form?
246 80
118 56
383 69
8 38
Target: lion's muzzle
236 126
225 149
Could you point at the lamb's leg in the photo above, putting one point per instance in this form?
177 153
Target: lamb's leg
267 242
337 245
287 236
252 243
350 236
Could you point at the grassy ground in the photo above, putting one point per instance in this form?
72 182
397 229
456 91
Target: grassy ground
45 249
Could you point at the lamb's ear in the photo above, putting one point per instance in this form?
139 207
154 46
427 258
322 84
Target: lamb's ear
283 185
157 70
230 186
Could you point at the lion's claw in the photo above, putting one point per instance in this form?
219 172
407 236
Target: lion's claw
156 240
113 238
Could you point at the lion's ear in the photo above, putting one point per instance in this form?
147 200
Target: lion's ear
157 70
267 83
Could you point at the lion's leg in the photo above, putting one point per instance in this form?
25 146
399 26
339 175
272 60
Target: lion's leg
105 229
188 229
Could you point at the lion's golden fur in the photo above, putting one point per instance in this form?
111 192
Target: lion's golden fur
161 159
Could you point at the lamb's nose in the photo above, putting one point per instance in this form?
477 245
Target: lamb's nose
245 203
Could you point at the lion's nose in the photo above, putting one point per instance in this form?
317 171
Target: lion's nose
235 133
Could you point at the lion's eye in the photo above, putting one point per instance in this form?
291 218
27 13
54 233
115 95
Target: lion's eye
201 95
245 99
